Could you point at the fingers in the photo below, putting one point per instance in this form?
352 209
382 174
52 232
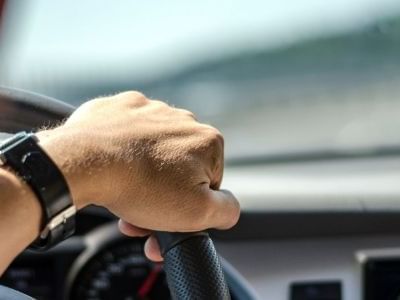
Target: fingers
131 230
225 214
213 155
226 209
152 249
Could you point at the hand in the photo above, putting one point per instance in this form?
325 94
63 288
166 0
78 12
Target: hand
152 165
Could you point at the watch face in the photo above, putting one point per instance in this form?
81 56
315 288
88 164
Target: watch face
7 141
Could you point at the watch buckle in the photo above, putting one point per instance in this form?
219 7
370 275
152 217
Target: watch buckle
58 220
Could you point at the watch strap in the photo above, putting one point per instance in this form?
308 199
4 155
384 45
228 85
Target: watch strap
23 154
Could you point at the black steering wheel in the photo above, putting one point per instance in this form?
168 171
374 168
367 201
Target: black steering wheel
191 263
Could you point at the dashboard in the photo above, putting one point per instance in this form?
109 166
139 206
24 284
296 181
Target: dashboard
320 230
358 267
99 263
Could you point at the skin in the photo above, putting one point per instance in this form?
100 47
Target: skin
152 165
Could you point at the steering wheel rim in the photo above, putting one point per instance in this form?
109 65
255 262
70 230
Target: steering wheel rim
22 110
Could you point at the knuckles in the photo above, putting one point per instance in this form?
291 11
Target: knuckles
132 98
213 139
187 113
132 95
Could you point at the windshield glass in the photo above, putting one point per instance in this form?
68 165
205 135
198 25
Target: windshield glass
276 77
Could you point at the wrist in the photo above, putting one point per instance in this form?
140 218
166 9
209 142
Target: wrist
61 147
18 203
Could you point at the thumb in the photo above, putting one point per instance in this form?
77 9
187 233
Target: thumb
226 210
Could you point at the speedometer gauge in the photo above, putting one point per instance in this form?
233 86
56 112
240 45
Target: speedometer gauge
120 271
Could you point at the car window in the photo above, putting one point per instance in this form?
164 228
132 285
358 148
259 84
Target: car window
276 77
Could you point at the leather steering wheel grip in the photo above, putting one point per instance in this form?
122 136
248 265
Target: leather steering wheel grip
192 266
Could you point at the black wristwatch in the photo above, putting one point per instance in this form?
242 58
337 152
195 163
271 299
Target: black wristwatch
27 159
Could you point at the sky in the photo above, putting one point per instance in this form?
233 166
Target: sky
148 37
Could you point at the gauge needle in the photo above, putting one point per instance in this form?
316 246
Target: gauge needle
148 283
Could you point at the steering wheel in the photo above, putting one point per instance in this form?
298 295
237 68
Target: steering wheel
191 263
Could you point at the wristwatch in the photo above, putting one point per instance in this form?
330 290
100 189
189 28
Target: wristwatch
27 159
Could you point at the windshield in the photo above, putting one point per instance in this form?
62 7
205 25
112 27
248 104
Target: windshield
276 77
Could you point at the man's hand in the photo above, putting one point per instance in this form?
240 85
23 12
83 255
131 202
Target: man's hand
152 165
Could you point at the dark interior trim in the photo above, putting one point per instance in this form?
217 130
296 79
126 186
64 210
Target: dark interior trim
255 225
264 225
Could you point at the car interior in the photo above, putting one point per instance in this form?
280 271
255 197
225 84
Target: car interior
307 96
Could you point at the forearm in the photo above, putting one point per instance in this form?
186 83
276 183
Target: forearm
20 220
